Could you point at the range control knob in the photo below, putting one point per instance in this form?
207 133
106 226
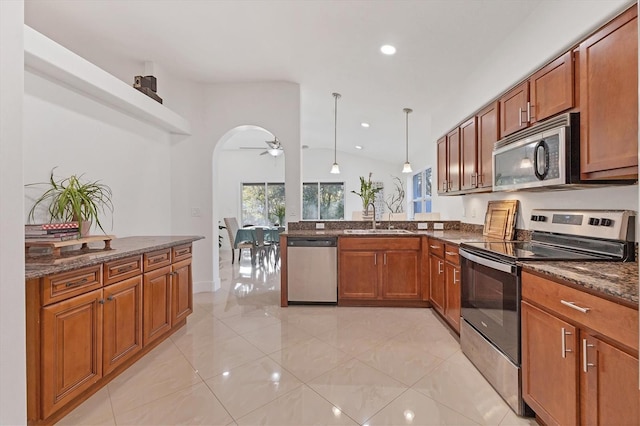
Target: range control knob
542 218
605 222
534 218
594 221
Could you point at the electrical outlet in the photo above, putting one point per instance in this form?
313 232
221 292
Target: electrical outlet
438 225
423 225
319 225
195 212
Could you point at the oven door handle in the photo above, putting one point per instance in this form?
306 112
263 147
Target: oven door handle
504 267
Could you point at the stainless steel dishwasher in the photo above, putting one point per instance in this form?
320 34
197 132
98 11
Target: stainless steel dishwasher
312 269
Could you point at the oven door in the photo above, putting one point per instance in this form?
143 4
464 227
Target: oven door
491 301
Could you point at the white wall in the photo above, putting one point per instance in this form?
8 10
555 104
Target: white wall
13 407
525 50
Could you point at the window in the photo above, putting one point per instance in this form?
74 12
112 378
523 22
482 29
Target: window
422 191
259 201
323 200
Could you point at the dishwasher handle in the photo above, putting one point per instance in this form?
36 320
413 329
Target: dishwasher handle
312 242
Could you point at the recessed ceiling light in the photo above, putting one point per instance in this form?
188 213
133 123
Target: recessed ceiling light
365 125
388 49
358 147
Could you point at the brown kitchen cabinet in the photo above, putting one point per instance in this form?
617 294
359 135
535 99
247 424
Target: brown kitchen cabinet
549 91
181 291
579 355
443 165
468 154
609 100
488 122
157 304
445 281
71 349
379 270
436 282
449 162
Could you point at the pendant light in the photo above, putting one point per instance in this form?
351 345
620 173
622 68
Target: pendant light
407 166
335 169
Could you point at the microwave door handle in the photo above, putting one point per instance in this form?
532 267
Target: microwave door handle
545 149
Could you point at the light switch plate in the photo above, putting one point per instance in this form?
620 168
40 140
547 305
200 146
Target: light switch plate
423 225
319 225
438 225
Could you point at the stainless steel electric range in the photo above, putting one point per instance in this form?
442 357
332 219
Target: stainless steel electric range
490 284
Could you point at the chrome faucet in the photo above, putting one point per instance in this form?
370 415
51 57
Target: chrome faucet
389 220
374 214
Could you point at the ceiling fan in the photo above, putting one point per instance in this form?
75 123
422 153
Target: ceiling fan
274 148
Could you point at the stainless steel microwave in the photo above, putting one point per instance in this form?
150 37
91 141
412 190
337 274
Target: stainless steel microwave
545 156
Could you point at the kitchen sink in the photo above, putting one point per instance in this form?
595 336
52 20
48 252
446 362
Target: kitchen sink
376 231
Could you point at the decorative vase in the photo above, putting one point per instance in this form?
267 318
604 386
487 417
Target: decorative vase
367 214
85 228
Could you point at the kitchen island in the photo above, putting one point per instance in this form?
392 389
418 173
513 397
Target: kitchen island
92 313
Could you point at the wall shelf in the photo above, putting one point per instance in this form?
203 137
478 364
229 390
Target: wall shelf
46 57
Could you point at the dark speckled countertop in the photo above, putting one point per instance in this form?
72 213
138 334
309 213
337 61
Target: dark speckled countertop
39 265
616 281
450 236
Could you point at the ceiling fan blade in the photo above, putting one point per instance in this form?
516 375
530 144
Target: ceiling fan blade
264 152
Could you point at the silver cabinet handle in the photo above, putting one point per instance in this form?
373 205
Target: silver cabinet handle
434 247
455 271
519 116
585 363
440 264
474 179
574 306
528 112
385 258
375 258
564 342
451 253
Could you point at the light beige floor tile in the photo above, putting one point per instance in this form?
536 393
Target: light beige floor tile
250 321
195 405
252 385
512 419
463 389
232 308
434 340
276 337
136 387
353 339
202 334
217 357
356 389
404 362
300 407
316 320
94 411
310 358
413 408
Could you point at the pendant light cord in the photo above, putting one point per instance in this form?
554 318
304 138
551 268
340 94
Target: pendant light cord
335 129
407 111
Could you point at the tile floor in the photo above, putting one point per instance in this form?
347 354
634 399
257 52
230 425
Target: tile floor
243 360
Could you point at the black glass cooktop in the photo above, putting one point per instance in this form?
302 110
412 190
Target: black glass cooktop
524 250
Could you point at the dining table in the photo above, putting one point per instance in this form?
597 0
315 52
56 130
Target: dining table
271 234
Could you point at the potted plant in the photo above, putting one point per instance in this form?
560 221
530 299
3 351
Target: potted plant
367 193
72 199
279 212
395 202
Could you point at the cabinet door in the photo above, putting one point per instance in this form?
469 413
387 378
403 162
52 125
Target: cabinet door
401 275
358 274
609 384
122 322
549 366
452 296
181 291
609 100
71 349
436 288
453 160
156 304
513 109
488 134
468 154
552 88
443 166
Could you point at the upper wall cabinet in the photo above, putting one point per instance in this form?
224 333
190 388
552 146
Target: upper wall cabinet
449 162
51 60
547 92
609 100
488 134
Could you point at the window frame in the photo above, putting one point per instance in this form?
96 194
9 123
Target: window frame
424 197
319 183
266 200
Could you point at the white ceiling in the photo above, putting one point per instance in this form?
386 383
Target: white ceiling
325 46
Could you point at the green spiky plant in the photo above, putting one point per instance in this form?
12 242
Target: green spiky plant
72 199
367 192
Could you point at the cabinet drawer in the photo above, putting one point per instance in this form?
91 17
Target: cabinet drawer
366 243
122 269
617 322
451 254
181 252
68 284
157 259
436 247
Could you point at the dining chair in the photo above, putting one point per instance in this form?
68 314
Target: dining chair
232 229
262 248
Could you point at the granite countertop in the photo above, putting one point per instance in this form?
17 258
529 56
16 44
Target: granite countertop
616 281
450 236
39 264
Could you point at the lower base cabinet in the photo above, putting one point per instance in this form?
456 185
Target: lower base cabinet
579 366
444 266
157 304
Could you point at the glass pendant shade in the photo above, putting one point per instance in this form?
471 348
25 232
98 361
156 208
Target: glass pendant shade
407 168
335 169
